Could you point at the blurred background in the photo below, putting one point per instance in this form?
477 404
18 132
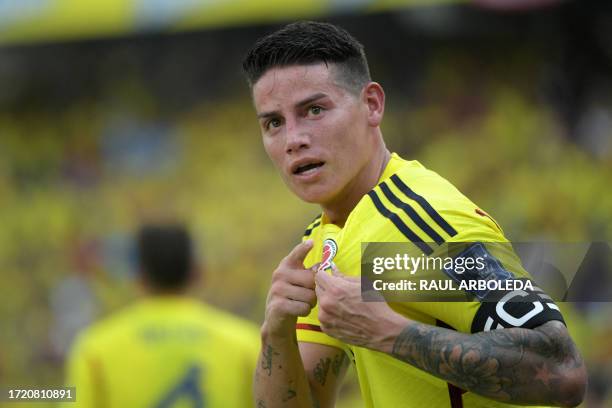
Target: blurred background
114 112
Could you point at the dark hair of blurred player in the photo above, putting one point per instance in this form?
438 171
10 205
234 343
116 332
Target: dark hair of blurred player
165 257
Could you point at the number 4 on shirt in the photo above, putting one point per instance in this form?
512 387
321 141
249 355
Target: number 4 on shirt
187 388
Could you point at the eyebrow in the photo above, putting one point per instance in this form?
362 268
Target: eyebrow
301 103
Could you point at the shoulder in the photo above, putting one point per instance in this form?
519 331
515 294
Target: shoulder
227 319
236 333
312 228
104 332
417 204
230 326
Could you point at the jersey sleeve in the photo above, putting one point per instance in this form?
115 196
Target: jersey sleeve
527 306
423 208
308 329
523 305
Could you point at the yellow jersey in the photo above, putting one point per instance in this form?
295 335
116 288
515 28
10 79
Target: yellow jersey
165 352
413 204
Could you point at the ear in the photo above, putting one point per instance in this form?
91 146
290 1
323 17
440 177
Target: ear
374 99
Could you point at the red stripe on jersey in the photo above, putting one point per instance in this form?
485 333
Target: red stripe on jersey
305 326
484 214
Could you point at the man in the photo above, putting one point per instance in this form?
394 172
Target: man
168 349
320 117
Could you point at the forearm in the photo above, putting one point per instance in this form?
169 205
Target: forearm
280 379
528 366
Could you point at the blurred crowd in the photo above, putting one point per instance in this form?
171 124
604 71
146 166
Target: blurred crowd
98 137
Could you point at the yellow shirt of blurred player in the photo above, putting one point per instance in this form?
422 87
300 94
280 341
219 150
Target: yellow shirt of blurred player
165 352
414 204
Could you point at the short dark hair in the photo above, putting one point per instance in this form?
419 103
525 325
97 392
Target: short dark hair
307 43
165 256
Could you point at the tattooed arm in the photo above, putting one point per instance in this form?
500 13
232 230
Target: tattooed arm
289 375
280 380
308 375
521 366
528 366
325 368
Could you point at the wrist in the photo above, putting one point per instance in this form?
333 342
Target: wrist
390 329
278 334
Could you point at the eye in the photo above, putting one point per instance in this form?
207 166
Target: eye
315 109
273 123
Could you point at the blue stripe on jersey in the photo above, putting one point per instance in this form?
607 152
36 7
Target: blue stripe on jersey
408 233
411 213
314 224
425 205
309 230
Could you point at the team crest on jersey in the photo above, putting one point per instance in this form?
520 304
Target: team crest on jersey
330 249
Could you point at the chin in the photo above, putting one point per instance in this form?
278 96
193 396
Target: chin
313 194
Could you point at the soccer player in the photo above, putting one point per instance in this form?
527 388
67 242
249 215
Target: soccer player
320 116
168 350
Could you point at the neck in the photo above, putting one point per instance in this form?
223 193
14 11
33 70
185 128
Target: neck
337 212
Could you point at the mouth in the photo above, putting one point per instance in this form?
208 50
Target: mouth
307 168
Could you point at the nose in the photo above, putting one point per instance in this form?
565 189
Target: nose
296 139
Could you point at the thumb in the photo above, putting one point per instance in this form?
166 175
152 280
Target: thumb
335 271
322 279
298 254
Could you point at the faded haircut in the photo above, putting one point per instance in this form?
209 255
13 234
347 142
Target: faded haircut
310 43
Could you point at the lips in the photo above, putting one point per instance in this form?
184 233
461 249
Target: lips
305 166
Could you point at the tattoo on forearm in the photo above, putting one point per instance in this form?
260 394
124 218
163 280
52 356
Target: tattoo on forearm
266 359
261 404
501 364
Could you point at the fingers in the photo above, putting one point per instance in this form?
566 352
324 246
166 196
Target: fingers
314 268
300 294
292 307
322 280
335 282
298 254
291 300
291 293
303 278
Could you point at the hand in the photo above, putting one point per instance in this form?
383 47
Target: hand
291 293
344 315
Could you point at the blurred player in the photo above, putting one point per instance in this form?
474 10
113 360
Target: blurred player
168 350
320 117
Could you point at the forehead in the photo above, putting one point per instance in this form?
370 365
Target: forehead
293 83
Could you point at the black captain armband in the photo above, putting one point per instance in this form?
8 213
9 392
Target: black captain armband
524 308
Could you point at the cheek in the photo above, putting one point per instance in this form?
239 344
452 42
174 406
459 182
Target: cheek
274 150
